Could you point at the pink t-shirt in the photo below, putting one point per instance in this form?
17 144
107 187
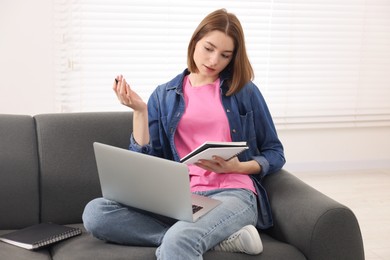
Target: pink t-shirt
204 120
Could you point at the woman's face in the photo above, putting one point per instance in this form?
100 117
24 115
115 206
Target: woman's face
213 53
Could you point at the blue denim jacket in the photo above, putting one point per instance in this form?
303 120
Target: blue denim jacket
249 120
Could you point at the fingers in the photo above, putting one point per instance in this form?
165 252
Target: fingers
219 165
116 83
121 88
213 165
127 96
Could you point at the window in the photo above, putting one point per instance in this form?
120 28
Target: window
318 63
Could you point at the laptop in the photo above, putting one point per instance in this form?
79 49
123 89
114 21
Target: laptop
149 183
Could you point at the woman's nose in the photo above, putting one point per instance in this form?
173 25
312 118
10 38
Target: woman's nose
214 59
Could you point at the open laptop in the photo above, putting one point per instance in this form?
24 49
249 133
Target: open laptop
149 183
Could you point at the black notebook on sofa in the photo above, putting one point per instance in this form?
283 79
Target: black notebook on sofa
39 235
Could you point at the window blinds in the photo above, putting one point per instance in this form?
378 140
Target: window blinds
318 63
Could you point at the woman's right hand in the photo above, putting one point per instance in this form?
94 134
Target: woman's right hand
127 96
131 99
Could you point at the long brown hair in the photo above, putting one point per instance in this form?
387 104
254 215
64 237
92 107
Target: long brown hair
239 67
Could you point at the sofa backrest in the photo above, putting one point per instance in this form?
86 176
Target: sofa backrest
68 174
19 187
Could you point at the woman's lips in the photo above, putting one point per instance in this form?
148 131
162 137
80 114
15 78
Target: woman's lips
209 69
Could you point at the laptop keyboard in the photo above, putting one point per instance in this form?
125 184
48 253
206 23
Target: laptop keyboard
196 208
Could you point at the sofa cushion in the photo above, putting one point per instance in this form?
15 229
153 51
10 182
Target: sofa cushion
19 193
69 177
88 247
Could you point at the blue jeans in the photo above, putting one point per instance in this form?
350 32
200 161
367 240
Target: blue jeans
114 222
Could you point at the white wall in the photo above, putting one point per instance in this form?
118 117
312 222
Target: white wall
336 149
26 59
26 87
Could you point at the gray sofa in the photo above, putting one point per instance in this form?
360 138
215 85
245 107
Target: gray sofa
48 174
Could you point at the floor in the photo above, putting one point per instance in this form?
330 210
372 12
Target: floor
367 193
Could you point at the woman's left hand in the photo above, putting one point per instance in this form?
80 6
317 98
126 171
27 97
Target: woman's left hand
220 165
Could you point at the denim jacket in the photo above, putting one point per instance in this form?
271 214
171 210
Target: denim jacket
249 120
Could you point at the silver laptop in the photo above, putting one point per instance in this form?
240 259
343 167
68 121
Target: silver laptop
149 183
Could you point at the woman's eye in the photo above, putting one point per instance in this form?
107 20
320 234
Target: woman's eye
225 56
208 49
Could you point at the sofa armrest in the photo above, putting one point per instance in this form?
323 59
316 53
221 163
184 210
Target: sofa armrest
314 223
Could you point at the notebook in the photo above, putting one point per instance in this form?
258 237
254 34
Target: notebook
40 235
149 183
226 150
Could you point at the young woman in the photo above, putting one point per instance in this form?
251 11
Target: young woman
213 100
